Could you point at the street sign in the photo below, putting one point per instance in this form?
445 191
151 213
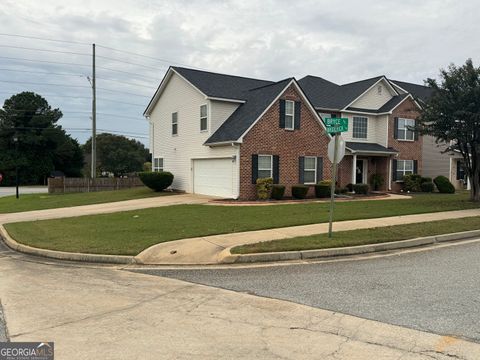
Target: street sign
340 149
336 125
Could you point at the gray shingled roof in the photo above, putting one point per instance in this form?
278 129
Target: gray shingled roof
327 95
257 100
220 85
368 147
419 91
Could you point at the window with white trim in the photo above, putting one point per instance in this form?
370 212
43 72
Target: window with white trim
175 123
360 127
265 166
158 164
203 118
289 114
310 170
405 131
404 167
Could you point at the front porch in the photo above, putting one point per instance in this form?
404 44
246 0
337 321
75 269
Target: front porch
362 160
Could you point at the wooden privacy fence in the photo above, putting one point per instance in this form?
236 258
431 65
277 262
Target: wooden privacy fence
76 185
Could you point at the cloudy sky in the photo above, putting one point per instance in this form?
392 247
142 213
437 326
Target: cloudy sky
342 41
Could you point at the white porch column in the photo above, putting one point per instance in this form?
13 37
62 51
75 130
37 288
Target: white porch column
390 174
354 169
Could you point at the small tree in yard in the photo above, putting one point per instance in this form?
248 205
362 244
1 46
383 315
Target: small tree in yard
452 116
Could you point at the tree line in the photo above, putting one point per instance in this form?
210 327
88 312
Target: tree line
32 141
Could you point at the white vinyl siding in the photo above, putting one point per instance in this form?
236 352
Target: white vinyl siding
404 129
158 164
219 111
179 152
360 127
203 118
289 114
265 166
372 99
310 170
404 167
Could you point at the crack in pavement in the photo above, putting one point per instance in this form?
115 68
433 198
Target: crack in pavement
102 314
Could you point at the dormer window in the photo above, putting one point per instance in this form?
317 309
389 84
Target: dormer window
289 114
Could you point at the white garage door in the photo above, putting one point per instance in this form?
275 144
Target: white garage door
213 177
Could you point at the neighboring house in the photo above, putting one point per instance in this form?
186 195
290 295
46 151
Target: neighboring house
218 133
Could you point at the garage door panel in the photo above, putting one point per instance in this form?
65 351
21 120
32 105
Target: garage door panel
213 177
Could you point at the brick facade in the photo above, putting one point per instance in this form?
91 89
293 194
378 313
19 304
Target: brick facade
267 138
408 150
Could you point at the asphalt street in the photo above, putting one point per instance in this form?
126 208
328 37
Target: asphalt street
8 191
435 290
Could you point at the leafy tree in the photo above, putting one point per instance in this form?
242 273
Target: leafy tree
42 146
452 116
118 154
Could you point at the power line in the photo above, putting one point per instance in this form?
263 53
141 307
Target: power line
123 92
148 57
124 72
43 72
45 84
126 133
43 50
44 39
127 62
124 82
42 61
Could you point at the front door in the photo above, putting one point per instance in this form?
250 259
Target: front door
359 172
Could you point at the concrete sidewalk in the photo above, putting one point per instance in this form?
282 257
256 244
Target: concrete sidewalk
93 313
213 249
104 208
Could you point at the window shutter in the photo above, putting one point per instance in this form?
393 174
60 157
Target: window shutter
276 169
301 166
395 128
282 113
254 168
394 170
415 166
298 114
415 134
319 169
459 173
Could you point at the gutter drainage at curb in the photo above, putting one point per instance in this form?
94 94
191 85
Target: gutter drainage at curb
62 255
226 257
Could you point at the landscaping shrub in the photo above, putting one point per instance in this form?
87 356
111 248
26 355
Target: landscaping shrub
412 183
299 191
425 180
361 189
377 180
157 181
278 191
322 189
264 186
343 190
427 187
349 187
444 185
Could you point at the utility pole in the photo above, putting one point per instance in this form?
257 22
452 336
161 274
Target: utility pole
332 187
94 118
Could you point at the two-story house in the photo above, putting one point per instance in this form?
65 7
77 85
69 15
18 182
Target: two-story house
218 133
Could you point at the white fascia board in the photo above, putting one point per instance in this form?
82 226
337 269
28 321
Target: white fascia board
364 112
383 78
223 143
307 102
225 99
398 86
162 86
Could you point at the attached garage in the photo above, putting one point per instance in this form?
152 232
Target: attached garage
214 177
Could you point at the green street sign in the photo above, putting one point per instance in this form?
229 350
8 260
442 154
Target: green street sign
336 125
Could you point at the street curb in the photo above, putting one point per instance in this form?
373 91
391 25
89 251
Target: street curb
226 257
62 255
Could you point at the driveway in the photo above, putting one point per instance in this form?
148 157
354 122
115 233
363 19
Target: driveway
103 312
8 191
436 291
104 208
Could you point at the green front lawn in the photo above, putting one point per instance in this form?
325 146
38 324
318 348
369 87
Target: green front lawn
28 202
362 237
131 232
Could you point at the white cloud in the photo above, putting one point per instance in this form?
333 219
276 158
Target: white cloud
341 41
